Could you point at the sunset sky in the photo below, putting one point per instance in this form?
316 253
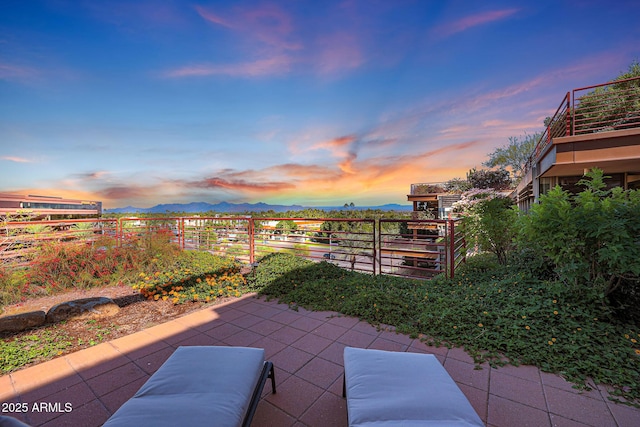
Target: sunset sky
302 101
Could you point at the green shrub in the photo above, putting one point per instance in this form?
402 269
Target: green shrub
592 238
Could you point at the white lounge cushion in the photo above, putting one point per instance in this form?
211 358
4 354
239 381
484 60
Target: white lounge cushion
196 386
385 388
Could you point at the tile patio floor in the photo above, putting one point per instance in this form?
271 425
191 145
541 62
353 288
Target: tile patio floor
306 348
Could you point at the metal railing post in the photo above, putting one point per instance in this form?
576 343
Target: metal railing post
452 248
252 244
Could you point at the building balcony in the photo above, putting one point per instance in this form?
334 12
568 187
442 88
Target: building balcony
595 126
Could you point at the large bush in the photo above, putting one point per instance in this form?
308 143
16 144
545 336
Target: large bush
488 222
591 238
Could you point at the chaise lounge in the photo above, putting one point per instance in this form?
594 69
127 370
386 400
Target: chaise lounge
198 386
385 388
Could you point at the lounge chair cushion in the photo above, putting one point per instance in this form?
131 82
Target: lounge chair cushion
385 388
196 386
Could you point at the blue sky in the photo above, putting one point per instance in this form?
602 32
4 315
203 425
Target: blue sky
307 102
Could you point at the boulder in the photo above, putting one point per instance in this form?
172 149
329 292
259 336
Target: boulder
80 309
22 321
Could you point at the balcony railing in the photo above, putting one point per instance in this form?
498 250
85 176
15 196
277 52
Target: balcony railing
593 109
358 244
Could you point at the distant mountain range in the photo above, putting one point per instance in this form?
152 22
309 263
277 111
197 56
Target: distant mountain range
226 207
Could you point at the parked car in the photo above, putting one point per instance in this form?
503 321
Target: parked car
329 256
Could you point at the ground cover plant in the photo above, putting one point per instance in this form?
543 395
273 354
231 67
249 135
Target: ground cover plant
196 276
46 343
498 313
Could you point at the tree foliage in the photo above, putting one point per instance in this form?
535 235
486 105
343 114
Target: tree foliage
495 179
514 155
488 221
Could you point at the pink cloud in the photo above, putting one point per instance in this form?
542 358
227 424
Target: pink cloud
268 24
451 28
17 72
261 67
241 185
275 41
123 192
15 159
338 52
211 17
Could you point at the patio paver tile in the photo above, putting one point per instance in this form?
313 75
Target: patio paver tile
465 373
244 338
266 327
558 421
330 331
138 344
320 372
507 413
227 315
92 414
624 415
384 344
307 324
291 359
287 334
246 321
517 389
441 351
198 339
295 396
334 353
266 312
115 399
328 410
249 306
556 381
336 387
478 399
96 360
458 353
527 372
312 343
268 415
353 338
396 337
223 331
366 328
151 362
271 347
581 408
115 379
77 395
286 317
344 321
321 315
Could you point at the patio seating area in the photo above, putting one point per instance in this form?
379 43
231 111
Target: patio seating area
85 388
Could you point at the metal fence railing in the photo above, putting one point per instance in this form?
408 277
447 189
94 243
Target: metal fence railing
18 240
420 248
402 247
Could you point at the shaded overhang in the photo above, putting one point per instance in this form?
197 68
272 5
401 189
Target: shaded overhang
613 152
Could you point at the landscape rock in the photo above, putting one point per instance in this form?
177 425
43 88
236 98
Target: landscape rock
22 321
80 309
